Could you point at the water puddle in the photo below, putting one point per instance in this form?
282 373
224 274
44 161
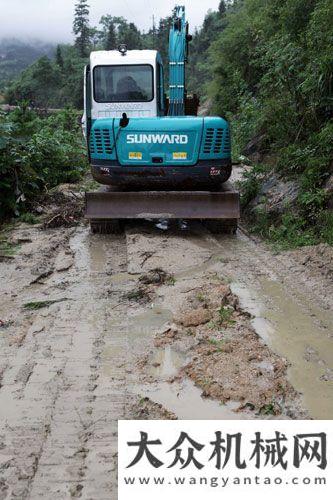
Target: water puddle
166 363
184 399
300 335
142 327
195 271
131 334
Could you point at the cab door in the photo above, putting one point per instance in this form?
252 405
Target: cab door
86 118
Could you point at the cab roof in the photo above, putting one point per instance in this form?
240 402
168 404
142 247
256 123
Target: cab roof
105 57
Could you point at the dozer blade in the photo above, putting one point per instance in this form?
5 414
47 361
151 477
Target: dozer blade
110 204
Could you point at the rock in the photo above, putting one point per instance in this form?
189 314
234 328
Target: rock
154 276
168 328
275 196
227 348
64 261
195 317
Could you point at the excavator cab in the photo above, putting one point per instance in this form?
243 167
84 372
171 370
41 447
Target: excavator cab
123 81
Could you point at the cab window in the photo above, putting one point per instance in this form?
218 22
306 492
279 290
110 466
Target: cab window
125 83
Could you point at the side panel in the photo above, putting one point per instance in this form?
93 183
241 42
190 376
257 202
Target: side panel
216 143
102 140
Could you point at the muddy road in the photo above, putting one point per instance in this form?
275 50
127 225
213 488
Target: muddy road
149 324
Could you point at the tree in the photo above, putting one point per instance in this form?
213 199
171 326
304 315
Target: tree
95 38
222 7
111 37
81 27
59 58
130 35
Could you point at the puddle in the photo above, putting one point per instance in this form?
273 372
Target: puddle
142 327
166 363
132 333
195 271
182 398
301 336
186 402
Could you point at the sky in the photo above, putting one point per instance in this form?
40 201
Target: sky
51 20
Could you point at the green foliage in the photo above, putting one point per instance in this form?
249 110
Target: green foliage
171 280
274 58
37 154
59 58
199 67
51 83
81 28
38 84
291 232
225 315
251 183
40 304
111 39
268 409
29 218
7 249
272 75
325 223
116 30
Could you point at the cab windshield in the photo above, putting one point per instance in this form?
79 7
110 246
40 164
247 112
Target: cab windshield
125 83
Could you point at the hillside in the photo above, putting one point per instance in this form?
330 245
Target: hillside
16 55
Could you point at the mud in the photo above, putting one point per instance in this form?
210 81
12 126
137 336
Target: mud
224 356
317 259
145 409
222 328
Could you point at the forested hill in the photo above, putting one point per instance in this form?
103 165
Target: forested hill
55 79
16 55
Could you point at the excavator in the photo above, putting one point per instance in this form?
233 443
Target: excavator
153 156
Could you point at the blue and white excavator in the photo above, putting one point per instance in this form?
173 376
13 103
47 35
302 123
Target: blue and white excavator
154 156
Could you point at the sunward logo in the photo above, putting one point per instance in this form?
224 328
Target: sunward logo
156 139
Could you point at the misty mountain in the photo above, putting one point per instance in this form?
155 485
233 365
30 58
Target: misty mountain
16 55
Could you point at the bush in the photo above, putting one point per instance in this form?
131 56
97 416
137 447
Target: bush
37 154
251 183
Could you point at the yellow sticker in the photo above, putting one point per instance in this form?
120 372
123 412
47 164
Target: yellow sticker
179 156
135 156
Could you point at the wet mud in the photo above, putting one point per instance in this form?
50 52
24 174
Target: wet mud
147 324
